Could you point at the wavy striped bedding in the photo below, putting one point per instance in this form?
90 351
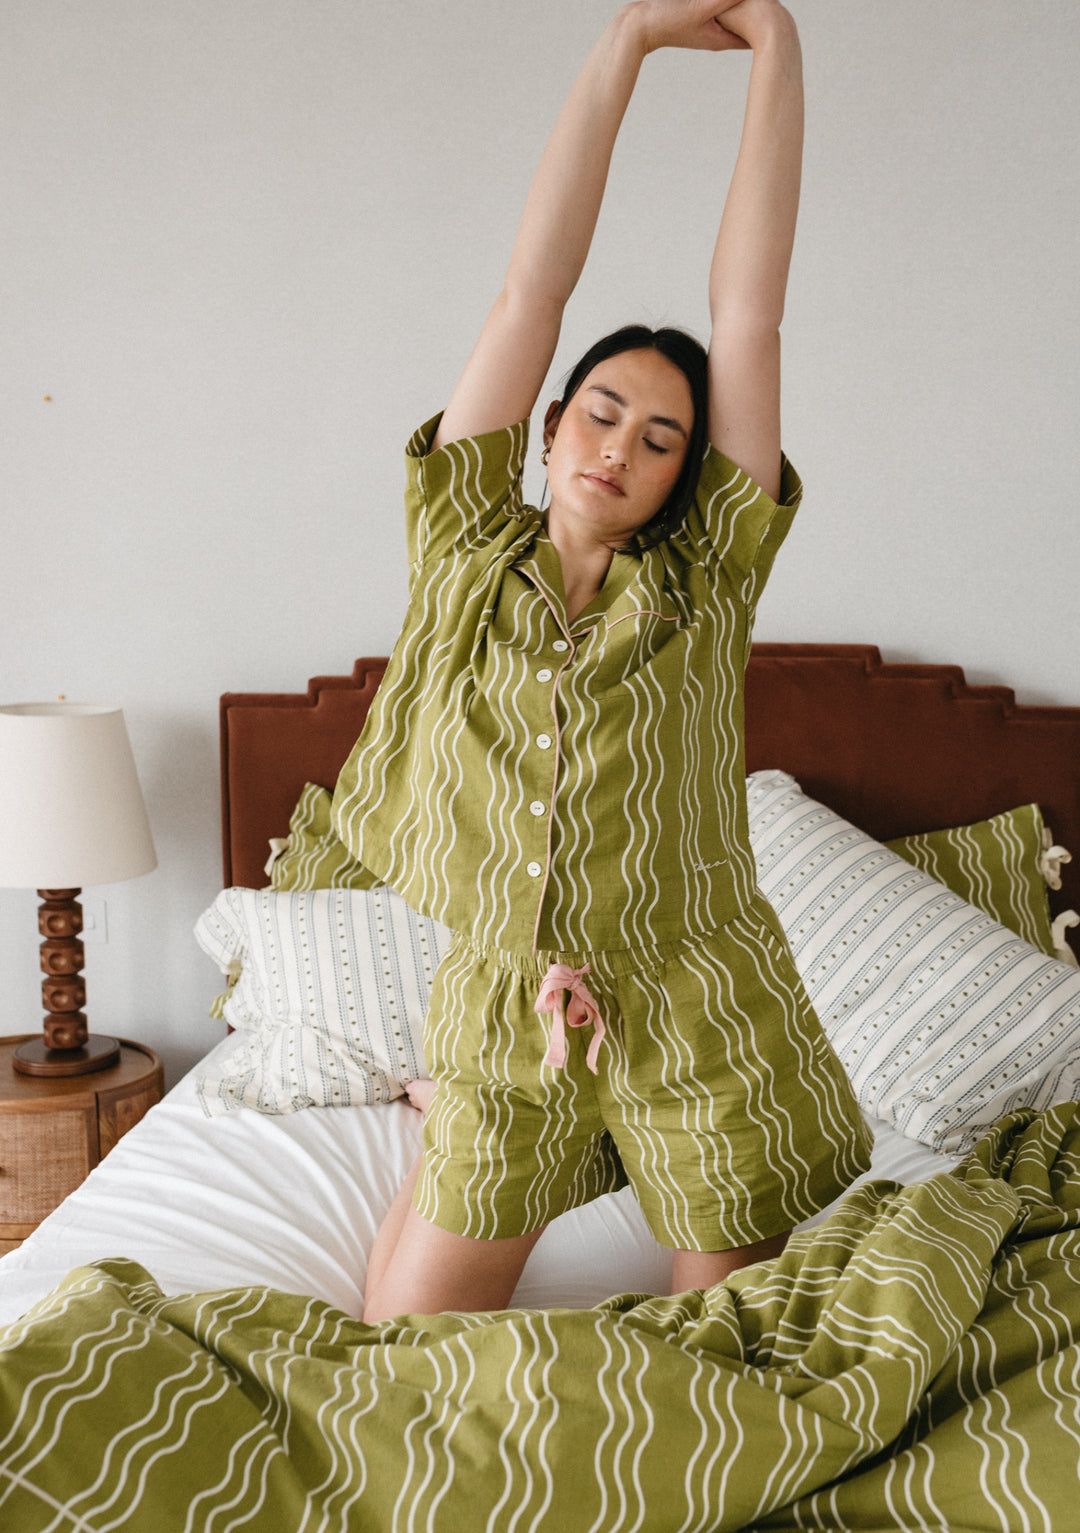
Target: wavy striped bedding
913 1362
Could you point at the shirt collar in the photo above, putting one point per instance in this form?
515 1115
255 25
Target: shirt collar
540 564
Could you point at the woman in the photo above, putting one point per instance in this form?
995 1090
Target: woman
554 766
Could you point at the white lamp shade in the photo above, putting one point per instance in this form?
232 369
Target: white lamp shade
71 811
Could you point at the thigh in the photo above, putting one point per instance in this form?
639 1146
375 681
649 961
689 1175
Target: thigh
509 1144
432 1270
732 1115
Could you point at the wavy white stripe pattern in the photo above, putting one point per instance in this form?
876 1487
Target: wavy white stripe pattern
312 856
729 1113
627 828
913 1362
994 864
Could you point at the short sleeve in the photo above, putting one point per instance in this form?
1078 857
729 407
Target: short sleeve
464 492
741 523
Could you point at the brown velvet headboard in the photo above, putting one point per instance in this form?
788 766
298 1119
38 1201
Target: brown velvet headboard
894 748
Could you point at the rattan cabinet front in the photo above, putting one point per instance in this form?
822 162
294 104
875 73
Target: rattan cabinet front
53 1131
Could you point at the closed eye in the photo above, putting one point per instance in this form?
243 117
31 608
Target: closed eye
602 420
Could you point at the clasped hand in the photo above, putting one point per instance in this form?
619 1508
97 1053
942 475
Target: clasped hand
699 24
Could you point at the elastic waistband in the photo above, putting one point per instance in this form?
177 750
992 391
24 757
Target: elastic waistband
613 962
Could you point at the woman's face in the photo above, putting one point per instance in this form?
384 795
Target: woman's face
618 446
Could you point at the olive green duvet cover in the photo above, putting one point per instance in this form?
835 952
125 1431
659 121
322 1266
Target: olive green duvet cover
912 1363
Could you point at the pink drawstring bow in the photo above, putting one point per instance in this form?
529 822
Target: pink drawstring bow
582 1010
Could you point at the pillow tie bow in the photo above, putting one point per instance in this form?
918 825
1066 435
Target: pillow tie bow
581 1011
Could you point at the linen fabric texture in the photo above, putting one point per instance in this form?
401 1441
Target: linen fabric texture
330 998
943 1019
569 788
313 856
995 864
912 1363
717 1096
538 783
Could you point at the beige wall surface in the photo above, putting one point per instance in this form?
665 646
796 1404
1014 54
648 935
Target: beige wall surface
249 244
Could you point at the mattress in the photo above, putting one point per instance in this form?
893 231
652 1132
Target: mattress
293 1202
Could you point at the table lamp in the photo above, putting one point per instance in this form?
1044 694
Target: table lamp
71 813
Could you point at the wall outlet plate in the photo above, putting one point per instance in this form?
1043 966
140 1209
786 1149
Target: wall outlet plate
95 919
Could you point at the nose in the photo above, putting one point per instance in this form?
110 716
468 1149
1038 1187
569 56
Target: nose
615 452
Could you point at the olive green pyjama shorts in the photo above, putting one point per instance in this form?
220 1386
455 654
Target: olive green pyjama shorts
716 1094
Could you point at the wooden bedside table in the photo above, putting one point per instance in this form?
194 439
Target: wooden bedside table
54 1130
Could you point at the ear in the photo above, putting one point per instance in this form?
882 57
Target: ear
552 416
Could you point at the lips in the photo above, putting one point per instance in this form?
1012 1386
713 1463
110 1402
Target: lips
606 483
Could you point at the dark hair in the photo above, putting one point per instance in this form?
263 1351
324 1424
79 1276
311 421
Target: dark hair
690 357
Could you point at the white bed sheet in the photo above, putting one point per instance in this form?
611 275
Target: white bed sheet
294 1203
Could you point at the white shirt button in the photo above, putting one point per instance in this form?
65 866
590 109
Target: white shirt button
536 807
544 742
534 870
544 675
560 645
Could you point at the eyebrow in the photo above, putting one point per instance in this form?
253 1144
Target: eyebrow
658 420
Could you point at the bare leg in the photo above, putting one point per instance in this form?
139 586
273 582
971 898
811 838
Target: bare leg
390 1229
701 1269
417 1268
426 1270
419 1094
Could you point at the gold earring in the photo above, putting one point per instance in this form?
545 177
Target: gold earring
545 455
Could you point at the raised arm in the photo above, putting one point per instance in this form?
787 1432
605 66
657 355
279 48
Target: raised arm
504 375
750 265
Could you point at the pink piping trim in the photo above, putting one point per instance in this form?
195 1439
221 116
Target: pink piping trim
571 639
558 754
641 612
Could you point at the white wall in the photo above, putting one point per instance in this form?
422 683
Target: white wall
249 244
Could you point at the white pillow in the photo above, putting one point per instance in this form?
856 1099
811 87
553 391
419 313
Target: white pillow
943 1019
330 1000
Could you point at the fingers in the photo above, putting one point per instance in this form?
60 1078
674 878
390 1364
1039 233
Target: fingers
731 40
754 20
420 1093
677 24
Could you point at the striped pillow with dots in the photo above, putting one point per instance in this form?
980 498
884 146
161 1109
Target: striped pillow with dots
330 1000
943 1018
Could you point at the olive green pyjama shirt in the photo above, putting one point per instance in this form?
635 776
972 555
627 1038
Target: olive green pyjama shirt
575 790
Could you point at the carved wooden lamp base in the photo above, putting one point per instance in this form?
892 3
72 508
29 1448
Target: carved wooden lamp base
36 1058
67 1047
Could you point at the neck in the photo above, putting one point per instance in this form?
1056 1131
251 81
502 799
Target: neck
584 561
